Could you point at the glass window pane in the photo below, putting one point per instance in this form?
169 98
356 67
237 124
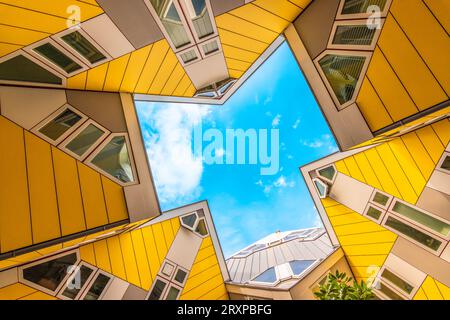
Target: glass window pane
268 276
361 6
446 164
86 139
298 266
180 276
380 199
358 35
50 274
80 44
74 287
397 281
188 56
57 57
58 126
168 14
389 293
97 287
22 69
413 233
157 290
422 218
374 213
189 220
114 159
342 73
199 15
328 172
320 188
173 293
201 228
210 47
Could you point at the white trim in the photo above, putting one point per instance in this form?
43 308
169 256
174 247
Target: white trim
197 53
58 38
317 190
344 53
39 63
31 51
195 223
172 285
100 147
326 179
370 47
168 276
75 134
341 16
38 262
441 162
184 6
53 116
391 284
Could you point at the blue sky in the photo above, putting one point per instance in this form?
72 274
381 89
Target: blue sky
245 205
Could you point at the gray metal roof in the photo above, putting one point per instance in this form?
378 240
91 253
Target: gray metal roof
278 249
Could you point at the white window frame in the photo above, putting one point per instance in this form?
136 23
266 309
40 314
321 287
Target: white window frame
272 284
307 270
163 293
383 213
370 47
206 226
75 134
169 285
376 204
341 16
197 52
431 231
317 190
219 45
51 117
383 296
441 162
38 262
58 38
30 50
99 148
163 29
195 224
72 275
365 54
30 57
91 282
174 268
435 252
215 33
326 179
410 295
185 279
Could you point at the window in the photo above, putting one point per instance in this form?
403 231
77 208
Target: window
268 276
421 218
414 234
77 281
342 73
298 266
189 56
114 159
168 13
397 281
381 199
374 213
80 43
168 269
328 173
357 35
85 139
189 221
210 47
173 293
158 290
201 229
388 292
98 287
444 163
49 275
321 188
180 276
361 8
199 17
22 67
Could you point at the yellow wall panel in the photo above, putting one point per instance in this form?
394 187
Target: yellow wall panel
368 249
15 291
151 67
145 274
203 264
237 64
96 77
440 9
15 221
420 295
372 107
70 205
342 168
200 278
175 225
160 241
409 66
431 142
87 254
428 37
102 255
41 183
442 129
115 256
365 261
218 293
129 259
281 8
416 148
115 73
443 290
175 78
115 201
346 219
38 295
353 168
182 86
241 54
367 170
78 81
431 290
168 232
152 251
93 199
260 17
166 69
301 3
389 88
134 69
6 48
357 228
241 41
198 292
235 73
19 36
363 238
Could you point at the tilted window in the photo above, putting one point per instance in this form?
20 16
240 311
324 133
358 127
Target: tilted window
84 47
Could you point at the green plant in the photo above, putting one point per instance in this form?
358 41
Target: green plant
338 286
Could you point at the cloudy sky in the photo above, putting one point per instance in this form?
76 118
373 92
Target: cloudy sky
246 205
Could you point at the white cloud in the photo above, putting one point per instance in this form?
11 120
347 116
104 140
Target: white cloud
276 121
280 183
267 100
325 142
296 124
168 137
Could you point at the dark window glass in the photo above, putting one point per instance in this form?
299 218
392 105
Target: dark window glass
97 287
188 56
374 213
157 290
380 199
83 141
320 188
446 164
189 220
413 233
22 69
389 293
361 6
268 276
173 293
298 266
58 126
57 57
328 172
397 281
210 47
79 280
201 228
180 276
80 44
360 35
342 73
50 274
